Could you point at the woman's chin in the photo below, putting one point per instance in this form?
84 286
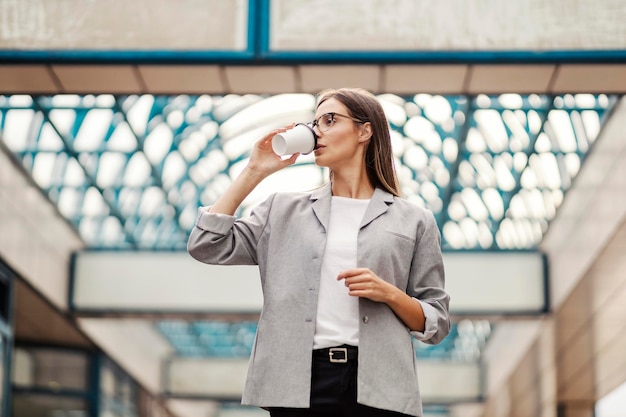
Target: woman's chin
319 159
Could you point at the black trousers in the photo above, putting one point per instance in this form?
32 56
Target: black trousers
333 392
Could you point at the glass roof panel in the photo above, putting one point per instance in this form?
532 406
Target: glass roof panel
235 339
130 171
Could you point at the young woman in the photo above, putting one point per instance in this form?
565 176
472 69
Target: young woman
349 272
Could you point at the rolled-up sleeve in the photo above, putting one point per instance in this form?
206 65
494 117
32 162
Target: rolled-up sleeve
430 314
427 283
215 222
222 239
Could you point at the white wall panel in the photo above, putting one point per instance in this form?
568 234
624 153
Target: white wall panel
507 345
444 382
134 344
194 408
161 282
495 282
489 283
440 382
34 239
593 210
216 378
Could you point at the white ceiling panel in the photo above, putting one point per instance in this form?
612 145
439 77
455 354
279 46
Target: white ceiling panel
111 281
436 79
319 77
17 79
395 79
590 79
114 79
260 80
521 79
179 79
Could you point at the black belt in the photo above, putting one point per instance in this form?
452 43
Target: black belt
339 354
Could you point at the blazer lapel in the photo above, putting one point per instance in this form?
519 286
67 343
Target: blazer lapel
378 205
321 204
321 199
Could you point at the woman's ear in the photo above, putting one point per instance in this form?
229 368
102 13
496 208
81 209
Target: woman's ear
365 132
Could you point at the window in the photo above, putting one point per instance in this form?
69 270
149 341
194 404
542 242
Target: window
47 368
119 395
5 299
5 335
50 382
43 405
3 356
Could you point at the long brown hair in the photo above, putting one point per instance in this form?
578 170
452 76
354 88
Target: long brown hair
363 106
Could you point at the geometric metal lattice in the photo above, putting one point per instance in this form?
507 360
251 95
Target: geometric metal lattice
130 171
235 340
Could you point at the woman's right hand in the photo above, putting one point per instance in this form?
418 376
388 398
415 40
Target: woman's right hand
263 160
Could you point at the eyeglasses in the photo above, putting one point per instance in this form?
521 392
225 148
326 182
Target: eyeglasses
327 120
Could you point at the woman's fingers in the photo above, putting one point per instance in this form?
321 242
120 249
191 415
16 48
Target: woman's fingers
362 282
291 160
264 160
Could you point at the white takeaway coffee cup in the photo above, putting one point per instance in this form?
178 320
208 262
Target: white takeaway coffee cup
301 139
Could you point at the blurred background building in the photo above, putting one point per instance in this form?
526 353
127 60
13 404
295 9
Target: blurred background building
119 118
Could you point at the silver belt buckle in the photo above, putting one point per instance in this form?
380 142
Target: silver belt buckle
332 351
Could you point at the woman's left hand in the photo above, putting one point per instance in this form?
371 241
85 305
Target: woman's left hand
362 282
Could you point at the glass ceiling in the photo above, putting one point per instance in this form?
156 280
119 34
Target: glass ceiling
130 171
235 339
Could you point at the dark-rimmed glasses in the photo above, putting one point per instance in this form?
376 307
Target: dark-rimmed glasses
327 120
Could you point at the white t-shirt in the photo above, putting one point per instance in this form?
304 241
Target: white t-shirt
337 320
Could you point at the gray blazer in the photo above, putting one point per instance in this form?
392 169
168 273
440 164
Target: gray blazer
285 237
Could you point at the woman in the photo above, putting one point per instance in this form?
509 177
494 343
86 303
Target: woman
349 272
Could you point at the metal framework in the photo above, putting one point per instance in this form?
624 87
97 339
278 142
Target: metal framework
130 171
235 340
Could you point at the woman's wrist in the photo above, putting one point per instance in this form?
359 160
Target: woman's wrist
243 185
393 295
253 175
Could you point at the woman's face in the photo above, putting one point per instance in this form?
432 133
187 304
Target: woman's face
340 144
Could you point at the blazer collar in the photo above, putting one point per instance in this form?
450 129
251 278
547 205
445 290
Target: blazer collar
321 199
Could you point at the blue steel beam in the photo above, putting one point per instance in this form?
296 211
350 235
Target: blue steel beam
154 171
113 209
447 194
530 150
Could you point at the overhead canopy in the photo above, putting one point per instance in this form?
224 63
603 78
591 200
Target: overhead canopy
130 171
